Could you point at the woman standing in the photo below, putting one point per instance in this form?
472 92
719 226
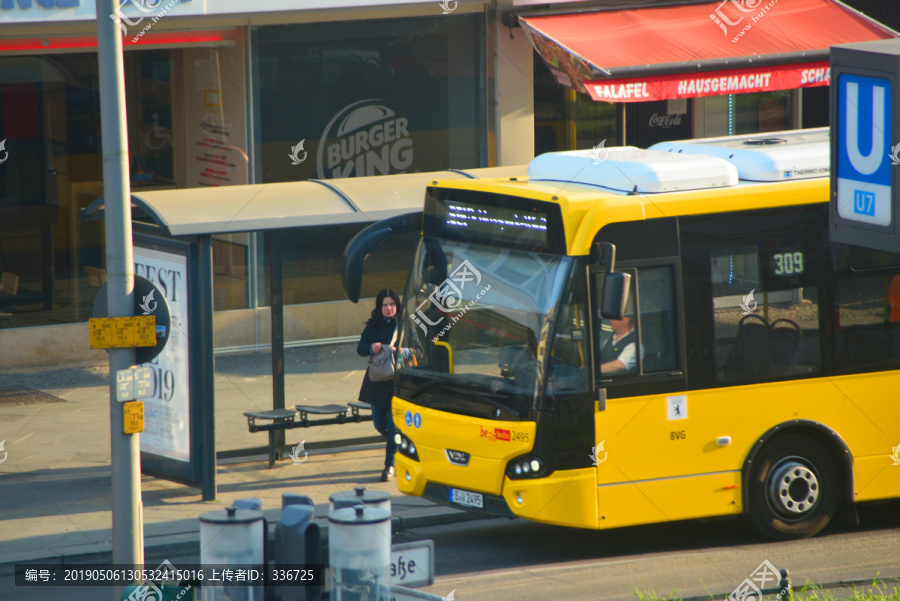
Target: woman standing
378 333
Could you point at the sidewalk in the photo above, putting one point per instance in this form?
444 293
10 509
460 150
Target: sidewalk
55 495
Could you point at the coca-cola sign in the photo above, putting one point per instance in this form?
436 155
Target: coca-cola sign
666 121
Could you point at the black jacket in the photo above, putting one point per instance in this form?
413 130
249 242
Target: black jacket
381 330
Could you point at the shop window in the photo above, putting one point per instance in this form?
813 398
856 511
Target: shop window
652 122
50 118
567 120
814 104
152 131
363 98
740 114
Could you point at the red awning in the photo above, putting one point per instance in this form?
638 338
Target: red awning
684 51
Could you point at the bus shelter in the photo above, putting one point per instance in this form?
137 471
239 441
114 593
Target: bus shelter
173 234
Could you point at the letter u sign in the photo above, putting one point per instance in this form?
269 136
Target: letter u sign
865 164
863 148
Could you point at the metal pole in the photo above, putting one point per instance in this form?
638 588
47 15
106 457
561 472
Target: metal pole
203 403
274 239
127 521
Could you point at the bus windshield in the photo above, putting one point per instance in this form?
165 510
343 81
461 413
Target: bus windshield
474 320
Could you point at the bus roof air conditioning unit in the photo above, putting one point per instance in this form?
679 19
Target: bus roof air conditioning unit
630 169
765 157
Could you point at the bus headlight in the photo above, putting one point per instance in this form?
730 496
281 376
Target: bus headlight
405 446
527 466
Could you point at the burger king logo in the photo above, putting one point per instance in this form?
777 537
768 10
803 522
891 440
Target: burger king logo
364 138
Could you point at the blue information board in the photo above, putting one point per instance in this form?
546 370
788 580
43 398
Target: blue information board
865 177
864 149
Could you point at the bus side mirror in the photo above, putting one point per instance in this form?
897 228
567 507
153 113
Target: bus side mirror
366 241
355 255
604 253
615 295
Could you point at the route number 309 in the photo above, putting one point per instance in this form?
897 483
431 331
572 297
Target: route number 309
788 263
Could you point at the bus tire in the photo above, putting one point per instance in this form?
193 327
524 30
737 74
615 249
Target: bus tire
793 488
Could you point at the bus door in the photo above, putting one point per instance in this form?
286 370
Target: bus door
568 402
641 420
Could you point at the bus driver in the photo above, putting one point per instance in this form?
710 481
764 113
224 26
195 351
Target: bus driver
619 355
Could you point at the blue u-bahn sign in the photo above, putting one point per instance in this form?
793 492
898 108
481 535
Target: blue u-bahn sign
864 195
864 149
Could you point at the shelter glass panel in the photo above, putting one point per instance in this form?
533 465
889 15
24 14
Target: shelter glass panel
311 264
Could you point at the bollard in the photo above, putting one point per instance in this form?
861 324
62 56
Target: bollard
343 503
360 554
242 504
297 541
232 538
370 498
785 585
294 498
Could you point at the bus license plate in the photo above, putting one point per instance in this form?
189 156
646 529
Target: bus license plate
464 497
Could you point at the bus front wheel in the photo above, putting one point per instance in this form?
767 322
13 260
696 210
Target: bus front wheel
793 488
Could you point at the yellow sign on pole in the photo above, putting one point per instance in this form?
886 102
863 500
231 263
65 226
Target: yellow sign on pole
123 332
145 330
123 336
134 417
101 333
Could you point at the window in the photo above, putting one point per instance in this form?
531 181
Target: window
764 328
230 278
312 264
867 330
568 355
653 324
370 97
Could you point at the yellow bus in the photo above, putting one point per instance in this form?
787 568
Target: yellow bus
755 369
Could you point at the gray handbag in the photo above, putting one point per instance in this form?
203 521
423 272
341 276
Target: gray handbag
381 366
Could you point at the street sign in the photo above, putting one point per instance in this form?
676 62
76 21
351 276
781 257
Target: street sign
151 328
133 417
122 332
865 144
143 382
412 564
101 333
125 385
863 171
134 383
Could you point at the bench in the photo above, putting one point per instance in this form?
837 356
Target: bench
281 419
286 419
355 406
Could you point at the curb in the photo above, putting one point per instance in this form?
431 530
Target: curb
399 523
157 549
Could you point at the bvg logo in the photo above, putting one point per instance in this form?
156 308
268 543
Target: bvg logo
863 166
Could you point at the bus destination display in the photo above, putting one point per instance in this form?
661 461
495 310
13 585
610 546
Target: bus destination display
502 224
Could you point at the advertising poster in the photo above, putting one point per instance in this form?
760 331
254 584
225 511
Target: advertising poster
167 411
